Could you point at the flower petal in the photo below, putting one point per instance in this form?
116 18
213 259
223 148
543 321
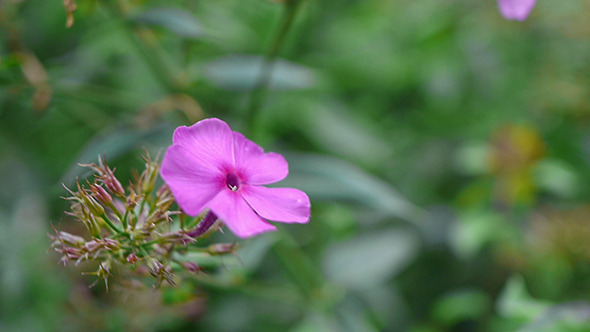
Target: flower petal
210 139
233 210
192 180
278 204
516 9
256 166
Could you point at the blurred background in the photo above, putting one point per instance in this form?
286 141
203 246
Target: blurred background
446 151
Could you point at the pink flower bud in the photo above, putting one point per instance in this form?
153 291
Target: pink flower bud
132 258
222 248
101 194
192 267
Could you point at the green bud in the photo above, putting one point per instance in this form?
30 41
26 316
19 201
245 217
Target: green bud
149 177
93 226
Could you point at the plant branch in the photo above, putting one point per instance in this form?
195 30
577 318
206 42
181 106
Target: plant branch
155 63
260 89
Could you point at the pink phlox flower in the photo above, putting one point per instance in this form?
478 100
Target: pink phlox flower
211 166
517 10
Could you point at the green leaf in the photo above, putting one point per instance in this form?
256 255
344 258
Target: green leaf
329 123
115 142
472 158
461 305
557 177
181 22
323 177
567 317
516 303
473 230
242 72
370 259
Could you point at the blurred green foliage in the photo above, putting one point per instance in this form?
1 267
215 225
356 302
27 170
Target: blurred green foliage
446 151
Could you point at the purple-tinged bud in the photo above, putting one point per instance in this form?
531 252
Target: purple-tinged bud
70 253
192 267
179 237
101 194
93 245
104 269
155 267
70 239
164 198
112 245
89 201
165 203
132 258
103 272
163 191
160 272
114 185
204 226
222 248
157 217
79 212
149 176
131 201
107 176
83 204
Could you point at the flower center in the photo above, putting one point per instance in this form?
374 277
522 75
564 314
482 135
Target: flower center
232 181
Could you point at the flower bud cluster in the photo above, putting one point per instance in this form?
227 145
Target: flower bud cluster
132 227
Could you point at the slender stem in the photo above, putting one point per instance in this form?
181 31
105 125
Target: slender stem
119 215
182 219
141 207
111 225
151 242
154 62
133 222
300 267
124 220
260 90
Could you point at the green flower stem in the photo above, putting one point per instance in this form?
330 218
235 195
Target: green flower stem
145 251
260 90
194 222
141 207
151 243
182 219
161 240
133 221
119 215
124 220
299 266
112 226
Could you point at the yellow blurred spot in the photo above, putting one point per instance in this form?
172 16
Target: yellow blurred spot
515 149
36 75
182 102
70 6
561 232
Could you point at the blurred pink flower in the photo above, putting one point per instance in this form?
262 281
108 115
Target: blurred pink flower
517 10
211 166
